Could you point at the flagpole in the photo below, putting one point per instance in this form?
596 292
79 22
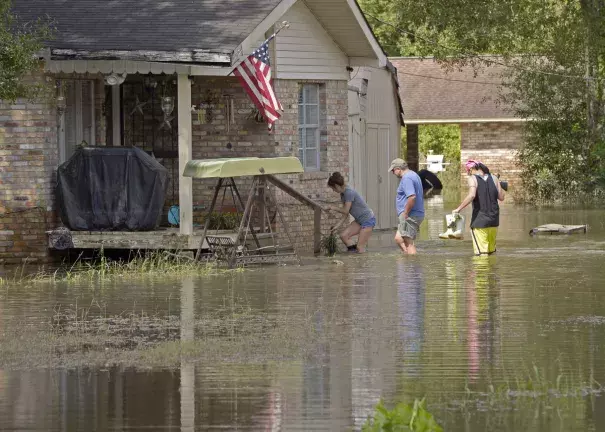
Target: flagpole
283 25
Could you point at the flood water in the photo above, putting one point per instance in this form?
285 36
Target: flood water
513 342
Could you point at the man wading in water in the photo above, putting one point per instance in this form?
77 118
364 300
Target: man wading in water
410 205
484 191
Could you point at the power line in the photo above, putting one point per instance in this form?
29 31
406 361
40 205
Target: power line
450 79
476 55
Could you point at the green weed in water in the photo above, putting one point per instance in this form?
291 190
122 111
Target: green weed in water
402 418
160 263
329 244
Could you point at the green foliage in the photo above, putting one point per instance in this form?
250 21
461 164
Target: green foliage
440 139
224 220
554 58
20 44
329 244
402 418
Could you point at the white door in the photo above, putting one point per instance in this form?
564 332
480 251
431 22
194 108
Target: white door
378 183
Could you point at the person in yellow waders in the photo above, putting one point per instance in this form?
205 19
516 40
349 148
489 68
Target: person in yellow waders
484 191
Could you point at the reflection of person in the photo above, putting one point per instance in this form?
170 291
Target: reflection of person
484 191
410 205
411 299
353 204
482 305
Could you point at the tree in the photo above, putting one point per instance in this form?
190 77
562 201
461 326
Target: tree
555 56
20 44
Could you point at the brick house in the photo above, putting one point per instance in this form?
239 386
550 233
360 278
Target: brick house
113 67
433 95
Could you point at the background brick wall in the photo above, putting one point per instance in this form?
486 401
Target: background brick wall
28 161
494 144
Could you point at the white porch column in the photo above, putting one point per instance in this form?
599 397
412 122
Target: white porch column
185 152
115 115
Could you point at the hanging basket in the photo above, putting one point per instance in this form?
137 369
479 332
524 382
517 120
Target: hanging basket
256 116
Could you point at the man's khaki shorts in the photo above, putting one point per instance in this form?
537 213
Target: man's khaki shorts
409 227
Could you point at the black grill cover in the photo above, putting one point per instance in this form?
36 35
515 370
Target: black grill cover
111 189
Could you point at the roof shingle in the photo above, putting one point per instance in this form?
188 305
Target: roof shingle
218 26
429 92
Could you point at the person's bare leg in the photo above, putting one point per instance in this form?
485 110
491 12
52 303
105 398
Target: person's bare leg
410 246
400 242
349 232
364 237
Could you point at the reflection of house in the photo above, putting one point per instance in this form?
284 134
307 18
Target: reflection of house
186 50
489 132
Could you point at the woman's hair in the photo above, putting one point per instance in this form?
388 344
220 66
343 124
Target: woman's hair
483 168
336 179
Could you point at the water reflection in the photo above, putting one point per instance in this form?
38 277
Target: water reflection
380 325
482 306
410 296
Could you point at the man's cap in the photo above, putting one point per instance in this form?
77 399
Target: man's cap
398 163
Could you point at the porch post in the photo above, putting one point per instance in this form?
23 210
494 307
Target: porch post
185 151
115 116
412 144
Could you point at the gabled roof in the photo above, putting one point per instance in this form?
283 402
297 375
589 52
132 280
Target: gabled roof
432 94
185 26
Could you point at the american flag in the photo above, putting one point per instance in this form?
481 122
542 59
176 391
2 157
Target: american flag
254 74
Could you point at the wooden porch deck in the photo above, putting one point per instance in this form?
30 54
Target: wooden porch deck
160 239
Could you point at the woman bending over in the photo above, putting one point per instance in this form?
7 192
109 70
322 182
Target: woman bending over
352 204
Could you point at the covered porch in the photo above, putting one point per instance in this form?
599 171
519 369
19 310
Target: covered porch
174 112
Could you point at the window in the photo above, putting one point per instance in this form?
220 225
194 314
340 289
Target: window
308 126
78 123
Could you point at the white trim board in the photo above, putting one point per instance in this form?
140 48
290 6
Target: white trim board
382 58
472 120
132 67
245 48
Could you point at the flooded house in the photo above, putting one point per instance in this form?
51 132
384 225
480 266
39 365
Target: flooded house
159 76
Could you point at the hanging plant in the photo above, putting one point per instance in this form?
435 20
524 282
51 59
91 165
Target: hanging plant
209 100
256 115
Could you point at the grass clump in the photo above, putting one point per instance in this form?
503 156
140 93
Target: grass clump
329 244
160 263
402 418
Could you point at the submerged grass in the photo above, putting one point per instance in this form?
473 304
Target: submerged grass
87 337
160 263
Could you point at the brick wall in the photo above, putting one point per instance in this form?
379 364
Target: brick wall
28 159
213 137
494 144
312 184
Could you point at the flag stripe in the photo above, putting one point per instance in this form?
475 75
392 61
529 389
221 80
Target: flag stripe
254 73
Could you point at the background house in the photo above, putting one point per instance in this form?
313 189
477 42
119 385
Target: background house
114 65
433 95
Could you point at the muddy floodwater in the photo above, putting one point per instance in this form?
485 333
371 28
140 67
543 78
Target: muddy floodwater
513 342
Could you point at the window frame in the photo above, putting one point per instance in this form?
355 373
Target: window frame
304 126
78 109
